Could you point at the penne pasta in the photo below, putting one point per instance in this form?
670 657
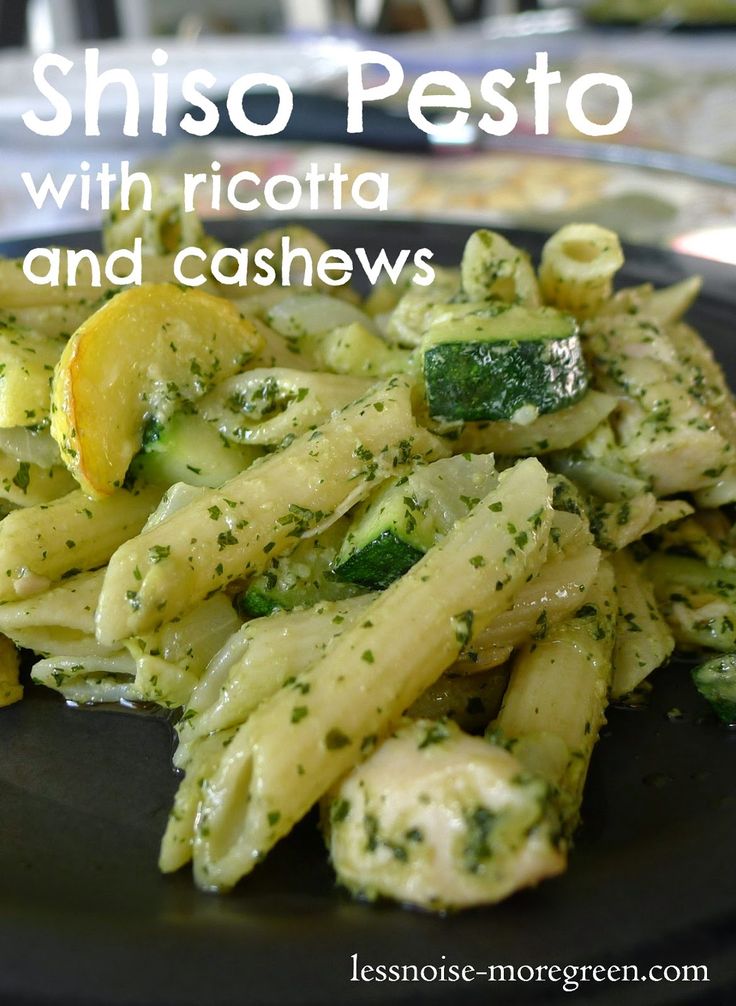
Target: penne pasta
578 264
354 349
337 534
28 362
169 662
555 704
258 659
88 679
59 620
493 269
643 640
263 785
267 405
50 321
663 306
665 430
49 542
553 432
236 530
25 484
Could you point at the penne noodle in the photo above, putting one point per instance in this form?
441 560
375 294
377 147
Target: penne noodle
643 638
578 264
235 531
337 533
493 269
552 432
266 405
28 485
49 542
258 659
358 690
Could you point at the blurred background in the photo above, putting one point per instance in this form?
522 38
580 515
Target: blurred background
668 179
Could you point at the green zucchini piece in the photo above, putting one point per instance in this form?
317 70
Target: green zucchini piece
398 524
302 578
512 365
189 449
716 682
380 561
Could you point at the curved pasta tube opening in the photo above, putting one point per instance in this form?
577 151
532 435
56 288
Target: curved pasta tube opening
266 405
579 262
492 268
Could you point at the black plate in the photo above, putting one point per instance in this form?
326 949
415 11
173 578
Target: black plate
86 918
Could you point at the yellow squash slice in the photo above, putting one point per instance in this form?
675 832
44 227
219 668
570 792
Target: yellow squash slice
140 357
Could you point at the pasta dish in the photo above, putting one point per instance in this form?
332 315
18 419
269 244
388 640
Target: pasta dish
389 557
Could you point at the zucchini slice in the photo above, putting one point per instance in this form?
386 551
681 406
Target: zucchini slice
716 682
189 449
302 578
403 520
512 364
